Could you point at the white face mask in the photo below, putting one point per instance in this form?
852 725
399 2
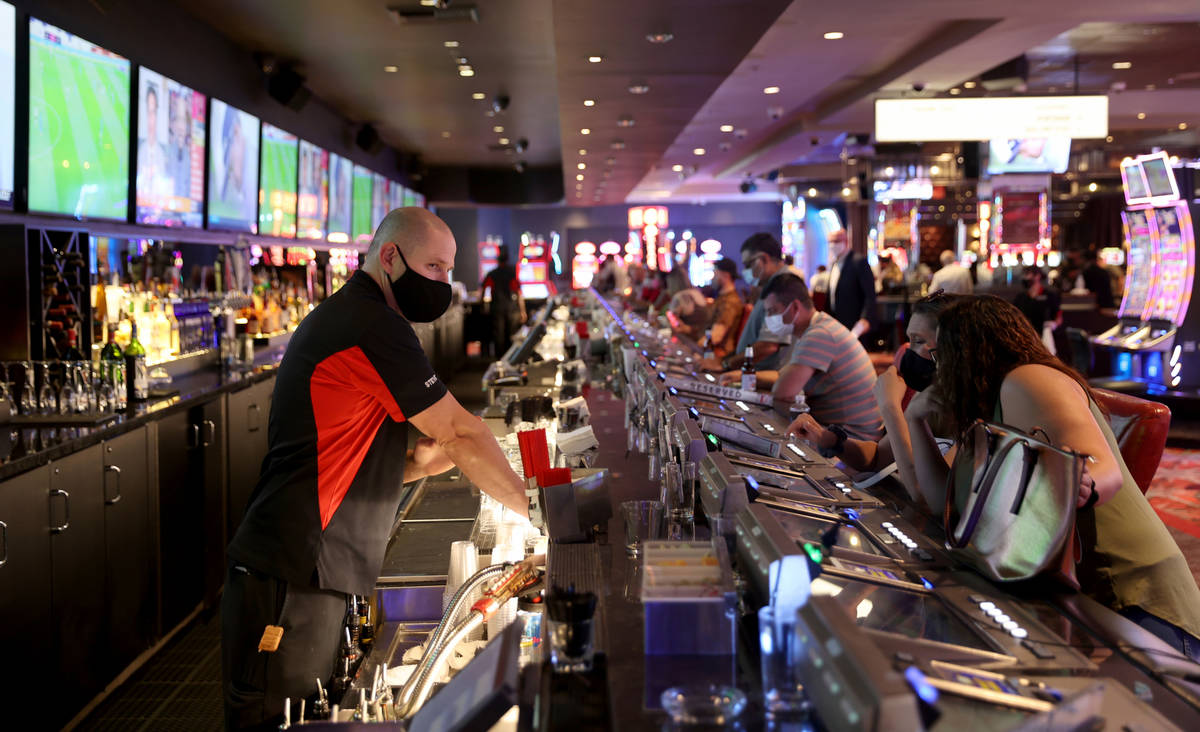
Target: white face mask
774 325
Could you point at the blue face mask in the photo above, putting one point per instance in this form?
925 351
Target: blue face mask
748 276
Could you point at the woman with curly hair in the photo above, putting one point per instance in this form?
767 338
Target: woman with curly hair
991 365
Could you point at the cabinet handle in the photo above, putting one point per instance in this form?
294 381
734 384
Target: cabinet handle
212 432
255 423
4 534
112 469
193 435
66 511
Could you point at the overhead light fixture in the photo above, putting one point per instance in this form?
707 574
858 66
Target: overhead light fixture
625 121
498 128
445 133
589 102
1119 65
1183 125
771 90
579 176
955 92
503 141
660 37
889 171
1109 138
610 161
595 59
639 87
812 192
433 3
450 44
968 85
479 96
698 151
1092 186
466 71
726 128
934 170
1141 115
582 166
582 151
677 168
834 36
846 191
617 144
391 69
585 131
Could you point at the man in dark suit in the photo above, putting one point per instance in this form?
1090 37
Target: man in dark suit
851 287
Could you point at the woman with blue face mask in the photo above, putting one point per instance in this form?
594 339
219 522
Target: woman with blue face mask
913 374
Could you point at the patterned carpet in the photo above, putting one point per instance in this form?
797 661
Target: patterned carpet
1175 492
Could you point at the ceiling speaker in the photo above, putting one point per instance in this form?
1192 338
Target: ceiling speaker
287 87
368 139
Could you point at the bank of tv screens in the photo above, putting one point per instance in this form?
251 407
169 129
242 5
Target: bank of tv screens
361 229
8 95
1159 177
397 195
312 208
232 169
341 198
78 126
170 152
380 200
1029 155
277 190
1136 190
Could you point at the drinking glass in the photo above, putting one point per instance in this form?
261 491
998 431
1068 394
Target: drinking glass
27 404
782 689
47 400
643 522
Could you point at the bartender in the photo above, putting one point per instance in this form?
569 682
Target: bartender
318 522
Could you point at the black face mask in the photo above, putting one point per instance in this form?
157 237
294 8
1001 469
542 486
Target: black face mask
419 298
917 372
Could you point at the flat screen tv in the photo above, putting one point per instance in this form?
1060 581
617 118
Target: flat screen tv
341 196
8 97
363 210
381 199
1160 179
170 152
232 169
397 195
312 207
1030 155
277 189
78 126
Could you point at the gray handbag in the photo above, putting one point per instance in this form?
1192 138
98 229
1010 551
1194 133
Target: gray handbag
1014 496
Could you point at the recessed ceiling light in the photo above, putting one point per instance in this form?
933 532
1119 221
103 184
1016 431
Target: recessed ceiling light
498 128
955 91
478 96
1092 187
834 36
503 140
450 44
1183 125
677 168
968 85
582 151
589 102
846 191
1141 115
430 3
889 171
660 37
698 151
771 90
582 166
625 121
639 87
445 133
812 192
391 69
726 128
579 176
1108 139
585 131
466 71
1122 65
934 170
617 144
595 59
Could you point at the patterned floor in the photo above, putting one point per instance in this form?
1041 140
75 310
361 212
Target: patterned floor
1175 495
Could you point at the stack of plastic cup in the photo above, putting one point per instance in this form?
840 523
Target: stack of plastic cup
464 562
507 612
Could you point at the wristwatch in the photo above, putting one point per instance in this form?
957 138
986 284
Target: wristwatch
839 432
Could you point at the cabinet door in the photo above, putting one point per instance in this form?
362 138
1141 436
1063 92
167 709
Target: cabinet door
128 567
213 467
77 576
249 410
180 518
26 632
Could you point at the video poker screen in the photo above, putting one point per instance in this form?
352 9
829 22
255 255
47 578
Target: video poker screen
803 529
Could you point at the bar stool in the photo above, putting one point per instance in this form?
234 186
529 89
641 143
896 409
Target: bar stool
1140 426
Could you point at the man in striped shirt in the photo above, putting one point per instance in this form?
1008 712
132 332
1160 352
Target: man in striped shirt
826 362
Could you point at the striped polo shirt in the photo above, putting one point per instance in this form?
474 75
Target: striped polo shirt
840 390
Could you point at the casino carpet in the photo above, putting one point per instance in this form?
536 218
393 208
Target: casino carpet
1175 495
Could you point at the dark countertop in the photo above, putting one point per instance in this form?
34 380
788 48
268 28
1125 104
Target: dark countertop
36 445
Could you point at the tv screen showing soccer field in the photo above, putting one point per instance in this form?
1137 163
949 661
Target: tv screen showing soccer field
8 96
397 195
233 169
381 201
313 205
277 193
78 126
170 152
341 196
363 184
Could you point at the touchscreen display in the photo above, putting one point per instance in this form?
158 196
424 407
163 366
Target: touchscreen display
804 529
906 613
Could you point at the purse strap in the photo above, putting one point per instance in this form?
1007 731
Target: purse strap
985 490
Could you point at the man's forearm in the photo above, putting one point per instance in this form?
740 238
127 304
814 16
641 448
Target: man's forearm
480 458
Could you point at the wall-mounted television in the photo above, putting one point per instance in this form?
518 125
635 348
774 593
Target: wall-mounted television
397 195
341 198
381 199
277 190
8 100
361 229
232 169
1029 155
170 152
312 207
78 126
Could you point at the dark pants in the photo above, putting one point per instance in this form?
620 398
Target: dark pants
504 324
256 682
1171 634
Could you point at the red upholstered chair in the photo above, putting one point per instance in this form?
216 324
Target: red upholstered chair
745 318
1140 426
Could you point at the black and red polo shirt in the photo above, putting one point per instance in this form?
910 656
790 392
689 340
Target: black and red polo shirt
330 485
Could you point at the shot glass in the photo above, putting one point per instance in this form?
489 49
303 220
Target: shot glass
643 522
782 691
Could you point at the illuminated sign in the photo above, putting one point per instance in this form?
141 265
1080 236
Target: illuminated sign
990 118
916 188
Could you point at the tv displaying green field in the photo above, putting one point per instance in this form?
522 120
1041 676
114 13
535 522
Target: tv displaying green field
8 97
78 126
277 191
363 184
341 187
232 169
397 195
380 200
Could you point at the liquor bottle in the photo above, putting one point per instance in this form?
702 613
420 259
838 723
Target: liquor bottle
749 380
135 368
174 344
112 367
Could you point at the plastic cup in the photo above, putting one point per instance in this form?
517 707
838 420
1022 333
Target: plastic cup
643 522
782 690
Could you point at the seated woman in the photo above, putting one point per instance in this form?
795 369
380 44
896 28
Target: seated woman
693 311
991 365
915 371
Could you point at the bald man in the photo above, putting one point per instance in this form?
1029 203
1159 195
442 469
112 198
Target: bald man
318 522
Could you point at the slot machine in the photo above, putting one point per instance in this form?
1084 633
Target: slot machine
1155 320
489 251
533 268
